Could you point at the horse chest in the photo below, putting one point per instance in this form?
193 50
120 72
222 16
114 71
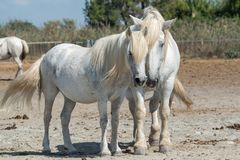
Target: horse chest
117 91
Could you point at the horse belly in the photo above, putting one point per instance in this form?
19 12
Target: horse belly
78 91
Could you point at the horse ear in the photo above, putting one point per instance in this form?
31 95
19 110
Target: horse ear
128 32
145 31
167 24
136 20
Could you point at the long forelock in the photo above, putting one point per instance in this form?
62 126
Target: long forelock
151 15
139 46
152 19
153 11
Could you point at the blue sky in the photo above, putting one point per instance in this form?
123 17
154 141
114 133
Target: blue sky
40 11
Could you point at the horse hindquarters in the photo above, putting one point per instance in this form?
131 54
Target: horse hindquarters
25 50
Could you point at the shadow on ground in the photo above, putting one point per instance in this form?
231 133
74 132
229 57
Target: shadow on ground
86 149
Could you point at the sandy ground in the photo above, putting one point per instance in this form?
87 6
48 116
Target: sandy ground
210 131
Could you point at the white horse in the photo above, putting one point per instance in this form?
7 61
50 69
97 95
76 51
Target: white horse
86 75
163 64
16 48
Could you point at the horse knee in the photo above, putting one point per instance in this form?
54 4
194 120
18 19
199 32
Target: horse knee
20 66
140 114
164 113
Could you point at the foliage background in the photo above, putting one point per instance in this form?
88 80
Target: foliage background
205 28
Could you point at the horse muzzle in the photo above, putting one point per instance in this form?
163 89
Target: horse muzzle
152 83
140 81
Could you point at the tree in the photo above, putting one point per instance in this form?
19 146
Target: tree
201 8
18 25
172 8
185 8
229 8
112 12
95 12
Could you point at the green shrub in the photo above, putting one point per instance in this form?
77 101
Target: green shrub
232 53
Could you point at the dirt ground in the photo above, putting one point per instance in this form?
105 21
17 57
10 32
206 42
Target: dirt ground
210 131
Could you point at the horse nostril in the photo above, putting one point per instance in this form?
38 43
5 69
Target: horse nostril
152 83
137 80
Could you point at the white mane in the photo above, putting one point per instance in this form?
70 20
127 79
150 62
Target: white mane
109 54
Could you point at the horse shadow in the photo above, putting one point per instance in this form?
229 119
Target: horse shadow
85 150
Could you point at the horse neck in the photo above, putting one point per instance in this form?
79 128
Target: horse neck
171 45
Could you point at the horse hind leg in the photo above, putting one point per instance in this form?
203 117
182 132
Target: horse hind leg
65 119
50 93
20 66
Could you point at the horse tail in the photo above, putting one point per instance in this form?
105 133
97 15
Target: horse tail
25 50
20 90
180 92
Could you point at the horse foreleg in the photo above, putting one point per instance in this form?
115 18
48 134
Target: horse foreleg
115 106
131 105
140 111
102 108
20 66
164 110
65 119
155 127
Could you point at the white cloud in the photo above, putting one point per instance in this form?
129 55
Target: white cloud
23 2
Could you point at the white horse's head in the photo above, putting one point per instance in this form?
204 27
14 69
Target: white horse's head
157 44
137 51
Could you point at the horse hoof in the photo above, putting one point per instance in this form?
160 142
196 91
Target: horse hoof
46 152
163 149
117 153
105 153
139 150
153 142
131 144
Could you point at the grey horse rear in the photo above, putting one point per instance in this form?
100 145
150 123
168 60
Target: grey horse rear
16 48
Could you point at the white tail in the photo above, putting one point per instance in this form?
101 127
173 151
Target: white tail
22 88
180 92
25 49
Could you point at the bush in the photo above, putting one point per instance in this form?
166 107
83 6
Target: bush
232 53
